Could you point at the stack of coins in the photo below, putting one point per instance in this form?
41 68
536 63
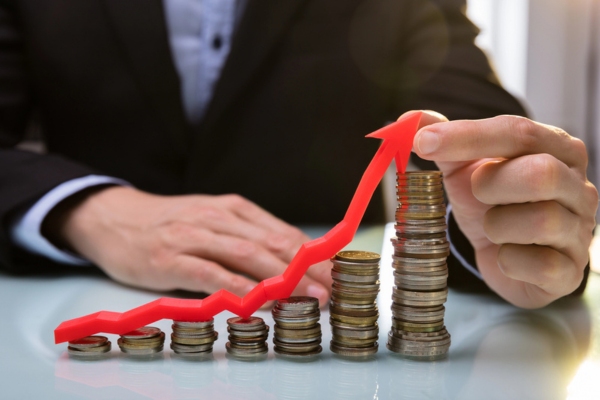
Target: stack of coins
145 341
420 270
247 337
353 307
191 339
89 347
297 328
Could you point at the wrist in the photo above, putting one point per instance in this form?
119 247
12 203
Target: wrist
72 223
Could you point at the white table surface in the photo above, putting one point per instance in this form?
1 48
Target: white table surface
497 352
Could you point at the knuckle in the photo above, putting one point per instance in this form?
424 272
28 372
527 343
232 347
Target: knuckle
526 131
201 273
547 221
237 284
278 242
591 193
210 213
234 200
244 249
489 226
578 146
542 173
552 268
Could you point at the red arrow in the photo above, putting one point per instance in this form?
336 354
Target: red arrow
397 143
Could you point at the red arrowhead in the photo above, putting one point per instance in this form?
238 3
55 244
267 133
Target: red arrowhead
400 134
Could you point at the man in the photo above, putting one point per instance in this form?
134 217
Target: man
269 100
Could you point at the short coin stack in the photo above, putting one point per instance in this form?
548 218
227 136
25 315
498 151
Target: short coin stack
145 341
192 339
421 273
297 330
89 347
353 306
247 337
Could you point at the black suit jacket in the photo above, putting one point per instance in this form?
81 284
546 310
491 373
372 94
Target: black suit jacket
304 82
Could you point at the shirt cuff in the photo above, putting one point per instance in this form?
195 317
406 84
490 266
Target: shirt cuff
26 233
463 261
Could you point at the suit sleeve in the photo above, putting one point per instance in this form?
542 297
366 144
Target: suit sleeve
24 176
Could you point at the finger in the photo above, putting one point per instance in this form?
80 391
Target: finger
532 178
251 212
196 274
504 137
541 266
545 223
428 117
321 272
245 257
236 216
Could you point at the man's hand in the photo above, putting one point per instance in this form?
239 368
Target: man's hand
519 193
195 242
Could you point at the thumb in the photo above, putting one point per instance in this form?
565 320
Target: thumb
428 117
424 142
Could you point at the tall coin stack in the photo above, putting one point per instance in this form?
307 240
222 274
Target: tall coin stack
90 347
192 339
297 330
247 337
353 307
145 341
420 270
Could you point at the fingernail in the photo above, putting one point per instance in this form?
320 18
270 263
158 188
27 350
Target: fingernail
318 292
428 142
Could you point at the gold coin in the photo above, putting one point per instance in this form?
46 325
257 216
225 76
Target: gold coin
357 256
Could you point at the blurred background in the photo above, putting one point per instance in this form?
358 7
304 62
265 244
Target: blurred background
546 53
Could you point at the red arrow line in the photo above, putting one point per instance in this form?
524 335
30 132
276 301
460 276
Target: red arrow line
397 144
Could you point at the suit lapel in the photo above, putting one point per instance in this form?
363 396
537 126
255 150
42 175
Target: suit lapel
141 29
260 28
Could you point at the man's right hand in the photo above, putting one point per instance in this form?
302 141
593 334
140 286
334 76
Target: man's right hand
194 242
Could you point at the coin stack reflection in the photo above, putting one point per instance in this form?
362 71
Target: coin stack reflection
297 332
420 270
89 347
192 339
353 307
145 341
247 337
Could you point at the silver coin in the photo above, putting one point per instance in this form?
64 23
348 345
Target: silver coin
145 332
283 352
99 352
418 262
182 348
249 334
353 306
246 324
418 303
246 352
354 278
194 324
353 352
142 351
88 341
298 303
356 334
88 350
411 295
